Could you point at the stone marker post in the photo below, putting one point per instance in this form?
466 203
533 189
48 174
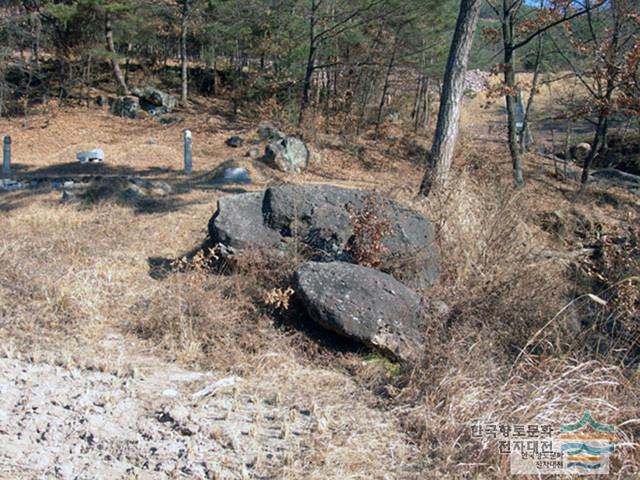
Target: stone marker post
188 166
6 156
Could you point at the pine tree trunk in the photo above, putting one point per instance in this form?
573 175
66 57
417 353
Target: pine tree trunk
108 30
184 61
451 101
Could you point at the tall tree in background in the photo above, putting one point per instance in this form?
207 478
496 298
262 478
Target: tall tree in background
606 65
185 7
520 25
113 57
451 101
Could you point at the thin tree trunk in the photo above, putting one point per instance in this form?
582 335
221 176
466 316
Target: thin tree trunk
184 61
511 98
600 140
451 101
311 58
417 102
108 30
426 110
526 133
387 76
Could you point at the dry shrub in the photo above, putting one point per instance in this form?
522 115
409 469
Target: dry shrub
494 275
203 319
610 328
504 290
370 228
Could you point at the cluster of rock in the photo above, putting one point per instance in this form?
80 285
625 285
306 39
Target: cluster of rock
375 306
128 188
150 100
7 184
283 152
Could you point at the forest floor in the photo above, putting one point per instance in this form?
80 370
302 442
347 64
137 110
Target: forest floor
101 359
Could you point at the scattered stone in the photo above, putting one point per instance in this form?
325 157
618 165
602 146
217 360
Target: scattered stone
253 153
126 107
8 185
169 393
365 305
69 196
268 132
96 155
169 120
320 218
287 155
216 386
580 152
234 142
101 100
231 175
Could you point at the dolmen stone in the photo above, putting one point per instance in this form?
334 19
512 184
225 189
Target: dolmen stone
365 305
320 219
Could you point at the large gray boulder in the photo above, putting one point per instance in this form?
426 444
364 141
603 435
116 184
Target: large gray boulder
319 217
288 154
365 305
154 101
238 224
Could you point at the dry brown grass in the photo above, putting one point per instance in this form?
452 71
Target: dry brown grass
73 273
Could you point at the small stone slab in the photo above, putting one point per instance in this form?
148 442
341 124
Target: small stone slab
96 155
234 175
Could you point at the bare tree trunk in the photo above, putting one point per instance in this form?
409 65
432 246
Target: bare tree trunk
108 30
451 101
600 141
184 61
311 59
526 132
426 108
511 98
387 76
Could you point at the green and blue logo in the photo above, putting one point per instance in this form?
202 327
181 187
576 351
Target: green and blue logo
587 445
